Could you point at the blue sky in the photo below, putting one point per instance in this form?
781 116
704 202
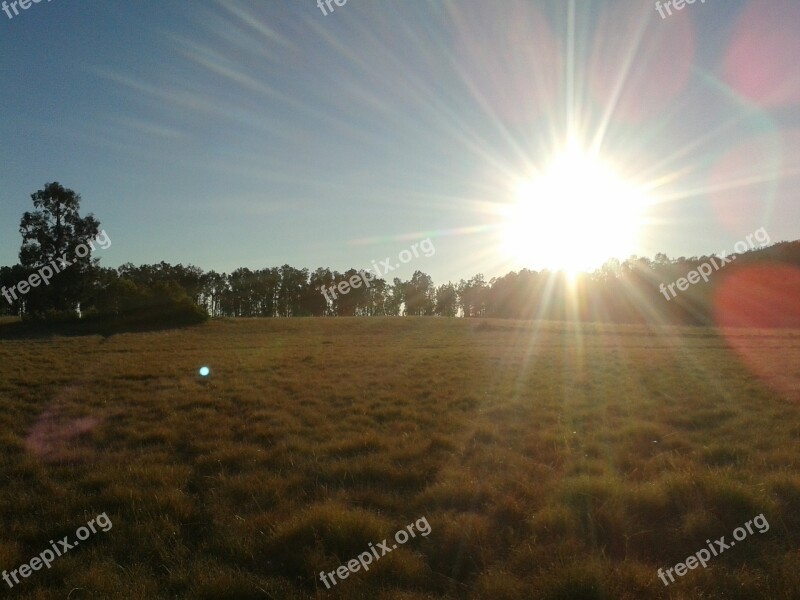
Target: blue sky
262 133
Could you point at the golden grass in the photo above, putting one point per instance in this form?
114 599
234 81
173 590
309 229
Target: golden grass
553 461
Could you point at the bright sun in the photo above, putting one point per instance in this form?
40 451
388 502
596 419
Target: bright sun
574 215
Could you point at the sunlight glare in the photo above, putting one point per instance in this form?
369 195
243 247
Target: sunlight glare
574 215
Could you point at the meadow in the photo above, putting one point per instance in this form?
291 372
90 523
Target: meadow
553 461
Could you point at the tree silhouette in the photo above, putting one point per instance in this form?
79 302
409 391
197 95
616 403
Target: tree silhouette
624 292
55 230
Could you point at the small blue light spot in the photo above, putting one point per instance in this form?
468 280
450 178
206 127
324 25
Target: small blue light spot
204 371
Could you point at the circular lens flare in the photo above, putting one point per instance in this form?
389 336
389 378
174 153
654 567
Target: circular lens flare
753 307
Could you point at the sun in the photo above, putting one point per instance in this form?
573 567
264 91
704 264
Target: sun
574 215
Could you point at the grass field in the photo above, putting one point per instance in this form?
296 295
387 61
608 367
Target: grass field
551 461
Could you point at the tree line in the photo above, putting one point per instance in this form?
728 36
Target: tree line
621 291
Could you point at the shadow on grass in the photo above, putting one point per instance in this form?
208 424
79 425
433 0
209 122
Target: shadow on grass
106 327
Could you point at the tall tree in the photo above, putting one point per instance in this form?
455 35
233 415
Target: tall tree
420 294
472 296
314 302
446 300
53 231
291 290
396 300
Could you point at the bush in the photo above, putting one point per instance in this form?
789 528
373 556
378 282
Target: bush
142 307
124 306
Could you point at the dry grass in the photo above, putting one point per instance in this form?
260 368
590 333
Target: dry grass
552 461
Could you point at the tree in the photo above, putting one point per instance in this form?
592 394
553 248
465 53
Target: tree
377 293
291 291
472 296
54 231
313 301
347 304
241 296
213 286
446 300
420 294
9 277
396 300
